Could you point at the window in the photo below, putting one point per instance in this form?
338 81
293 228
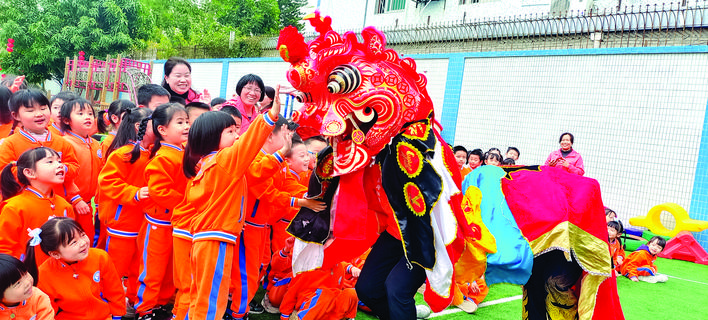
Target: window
383 6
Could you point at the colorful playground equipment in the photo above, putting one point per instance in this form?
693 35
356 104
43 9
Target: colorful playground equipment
683 223
682 246
114 75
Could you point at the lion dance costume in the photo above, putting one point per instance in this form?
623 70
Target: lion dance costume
389 180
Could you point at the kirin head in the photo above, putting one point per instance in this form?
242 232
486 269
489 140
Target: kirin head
357 94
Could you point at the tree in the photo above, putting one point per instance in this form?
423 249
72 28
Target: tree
291 13
47 31
250 17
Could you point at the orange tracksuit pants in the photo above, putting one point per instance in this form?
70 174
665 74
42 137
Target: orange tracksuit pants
279 235
156 286
124 251
182 275
212 270
327 304
247 261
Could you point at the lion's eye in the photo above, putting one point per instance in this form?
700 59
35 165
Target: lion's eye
344 79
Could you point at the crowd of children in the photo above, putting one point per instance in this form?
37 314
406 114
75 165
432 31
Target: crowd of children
178 212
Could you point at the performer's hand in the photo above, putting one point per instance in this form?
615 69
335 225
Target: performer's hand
311 204
474 288
355 272
620 259
82 208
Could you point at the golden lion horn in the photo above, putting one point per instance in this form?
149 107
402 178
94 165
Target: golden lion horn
344 79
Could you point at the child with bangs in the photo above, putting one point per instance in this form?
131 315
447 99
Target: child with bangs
55 107
19 299
31 201
123 194
201 147
77 122
31 109
81 281
218 193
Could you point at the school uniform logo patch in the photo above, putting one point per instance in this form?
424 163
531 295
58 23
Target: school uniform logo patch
97 276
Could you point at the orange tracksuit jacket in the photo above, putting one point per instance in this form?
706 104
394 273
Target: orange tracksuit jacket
639 263
13 146
87 290
316 295
262 177
281 217
29 209
616 251
218 193
167 182
181 246
37 307
88 154
105 143
121 212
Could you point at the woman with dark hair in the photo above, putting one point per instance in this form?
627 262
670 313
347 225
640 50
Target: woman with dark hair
178 81
249 91
565 157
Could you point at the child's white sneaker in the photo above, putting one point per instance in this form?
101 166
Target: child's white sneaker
422 311
468 306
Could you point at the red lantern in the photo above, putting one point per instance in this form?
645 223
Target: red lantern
10 45
82 55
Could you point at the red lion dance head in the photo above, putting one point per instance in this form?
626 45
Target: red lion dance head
357 94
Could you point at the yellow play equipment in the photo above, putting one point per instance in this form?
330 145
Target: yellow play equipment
683 222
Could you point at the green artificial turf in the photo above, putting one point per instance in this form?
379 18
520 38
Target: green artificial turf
684 297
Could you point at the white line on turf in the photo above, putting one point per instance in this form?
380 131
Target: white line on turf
694 281
481 305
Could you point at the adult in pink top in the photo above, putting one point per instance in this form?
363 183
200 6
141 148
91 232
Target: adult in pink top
565 157
178 81
249 91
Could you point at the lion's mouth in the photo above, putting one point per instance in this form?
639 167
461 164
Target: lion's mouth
347 137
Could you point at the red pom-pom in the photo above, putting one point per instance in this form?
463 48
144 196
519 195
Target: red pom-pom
291 45
11 40
10 50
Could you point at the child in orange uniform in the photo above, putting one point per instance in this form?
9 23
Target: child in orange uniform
166 184
111 117
200 149
317 295
123 193
55 107
639 265
31 202
77 122
19 300
31 108
81 281
217 192
614 229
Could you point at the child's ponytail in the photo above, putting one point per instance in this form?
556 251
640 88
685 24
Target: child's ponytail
135 154
30 255
10 187
103 121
